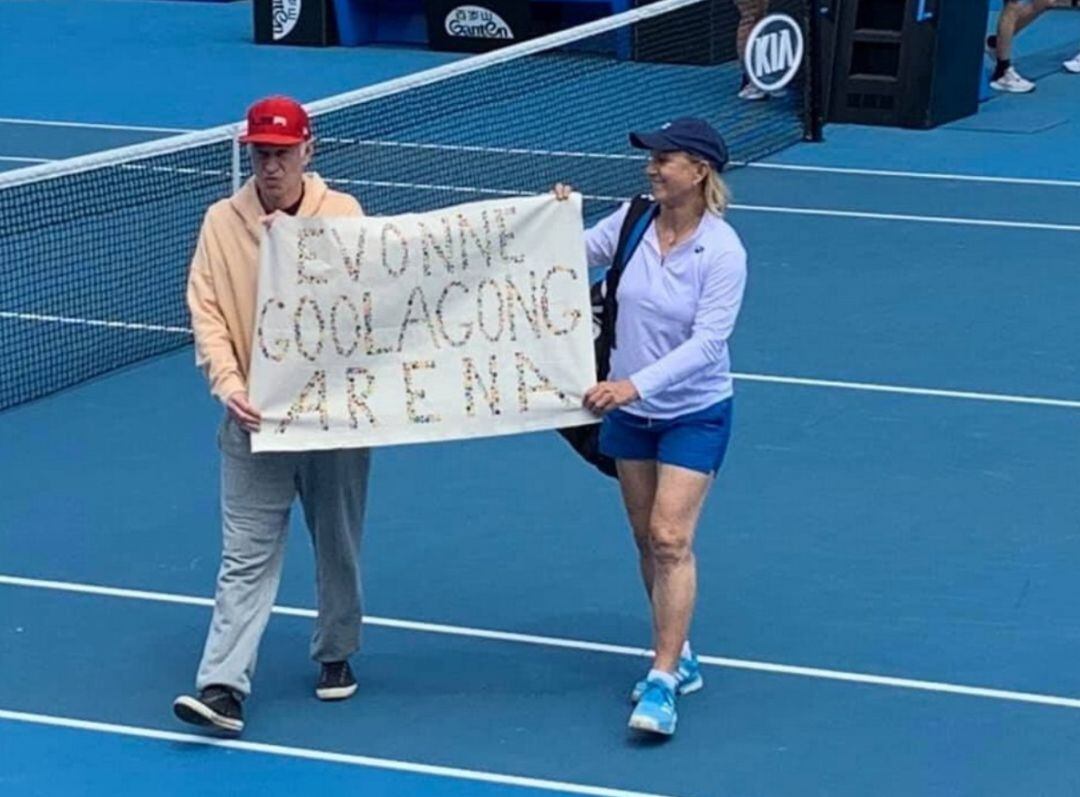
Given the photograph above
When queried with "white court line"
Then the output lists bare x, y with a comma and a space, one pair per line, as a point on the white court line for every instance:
795, 167
460, 189
544, 153
573, 644
92, 322
93, 125
1003, 398
139, 167
796, 211
322, 755
956, 220
142, 167
849, 214
464, 189
974, 178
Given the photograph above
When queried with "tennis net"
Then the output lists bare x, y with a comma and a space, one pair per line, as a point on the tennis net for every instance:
96, 248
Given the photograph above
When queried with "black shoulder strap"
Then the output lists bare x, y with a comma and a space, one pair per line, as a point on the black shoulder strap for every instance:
638, 218
632, 231
585, 440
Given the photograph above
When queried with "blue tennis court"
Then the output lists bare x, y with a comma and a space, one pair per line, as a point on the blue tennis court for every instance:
888, 560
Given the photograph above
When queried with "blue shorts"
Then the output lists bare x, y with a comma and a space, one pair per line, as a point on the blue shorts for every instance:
696, 440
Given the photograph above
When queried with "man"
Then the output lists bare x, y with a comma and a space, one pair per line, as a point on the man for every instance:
1014, 17
257, 490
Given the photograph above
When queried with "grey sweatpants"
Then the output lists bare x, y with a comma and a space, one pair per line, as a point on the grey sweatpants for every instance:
257, 491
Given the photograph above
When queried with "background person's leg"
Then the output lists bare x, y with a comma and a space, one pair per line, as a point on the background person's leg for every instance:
1031, 12
1014, 17
750, 13
1007, 23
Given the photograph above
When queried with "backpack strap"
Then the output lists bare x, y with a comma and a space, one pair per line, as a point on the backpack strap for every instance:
638, 218
585, 440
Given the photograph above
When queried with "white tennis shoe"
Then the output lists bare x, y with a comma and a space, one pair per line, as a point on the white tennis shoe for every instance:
752, 93
1012, 83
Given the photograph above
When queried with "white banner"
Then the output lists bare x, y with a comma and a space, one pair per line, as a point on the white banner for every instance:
469, 321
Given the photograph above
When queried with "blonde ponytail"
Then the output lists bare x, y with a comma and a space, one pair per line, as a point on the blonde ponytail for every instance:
717, 194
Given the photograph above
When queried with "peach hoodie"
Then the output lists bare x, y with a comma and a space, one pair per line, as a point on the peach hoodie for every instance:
223, 281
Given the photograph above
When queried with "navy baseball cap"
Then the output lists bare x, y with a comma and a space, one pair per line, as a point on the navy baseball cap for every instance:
686, 134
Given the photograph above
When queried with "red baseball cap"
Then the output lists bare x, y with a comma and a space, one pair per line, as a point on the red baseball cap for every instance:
277, 120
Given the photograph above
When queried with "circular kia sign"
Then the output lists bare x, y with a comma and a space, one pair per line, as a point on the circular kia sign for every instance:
774, 52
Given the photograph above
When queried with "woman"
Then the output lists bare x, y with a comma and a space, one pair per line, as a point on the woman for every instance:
667, 400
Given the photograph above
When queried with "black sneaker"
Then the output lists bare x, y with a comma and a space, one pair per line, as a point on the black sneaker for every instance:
216, 706
336, 681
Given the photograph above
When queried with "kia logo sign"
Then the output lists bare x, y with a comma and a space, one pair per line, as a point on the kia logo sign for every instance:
774, 52
285, 15
477, 22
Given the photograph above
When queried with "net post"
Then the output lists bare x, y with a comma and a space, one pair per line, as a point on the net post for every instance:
235, 161
815, 72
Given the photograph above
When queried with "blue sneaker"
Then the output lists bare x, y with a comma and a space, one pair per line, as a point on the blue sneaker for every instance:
688, 675
655, 712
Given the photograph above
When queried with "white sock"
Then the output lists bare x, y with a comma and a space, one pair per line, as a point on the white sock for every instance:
666, 678
686, 652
